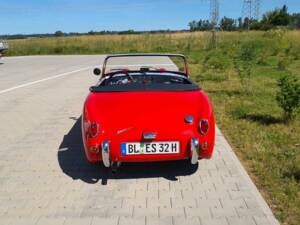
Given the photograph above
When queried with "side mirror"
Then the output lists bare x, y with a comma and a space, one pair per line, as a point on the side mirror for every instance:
97, 71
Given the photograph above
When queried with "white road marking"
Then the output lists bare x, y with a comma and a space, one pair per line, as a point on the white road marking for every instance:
43, 80
71, 72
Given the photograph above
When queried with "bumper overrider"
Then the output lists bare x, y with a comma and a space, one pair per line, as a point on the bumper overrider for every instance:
105, 146
194, 152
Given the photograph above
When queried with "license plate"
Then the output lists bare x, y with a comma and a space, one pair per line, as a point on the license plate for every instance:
148, 148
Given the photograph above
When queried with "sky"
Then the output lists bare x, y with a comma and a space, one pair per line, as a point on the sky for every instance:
48, 16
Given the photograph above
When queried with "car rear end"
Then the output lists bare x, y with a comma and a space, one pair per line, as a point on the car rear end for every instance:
148, 126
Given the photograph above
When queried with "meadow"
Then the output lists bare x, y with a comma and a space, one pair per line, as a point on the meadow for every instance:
241, 77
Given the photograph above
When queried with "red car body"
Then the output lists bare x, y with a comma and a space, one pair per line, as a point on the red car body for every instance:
113, 117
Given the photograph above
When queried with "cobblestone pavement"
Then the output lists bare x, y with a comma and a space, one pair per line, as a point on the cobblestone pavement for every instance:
45, 179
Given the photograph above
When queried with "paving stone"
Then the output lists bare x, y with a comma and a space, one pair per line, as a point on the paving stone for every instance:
147, 194
104, 221
224, 212
143, 211
205, 203
150, 220
166, 211
21, 221
198, 194
185, 202
261, 220
51, 221
245, 212
241, 221
237, 203
169, 194
198, 212
132, 221
136, 202
214, 221
101, 212
119, 211
78, 221
5, 220
186, 221
159, 202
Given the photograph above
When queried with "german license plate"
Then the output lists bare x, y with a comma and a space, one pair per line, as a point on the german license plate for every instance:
139, 148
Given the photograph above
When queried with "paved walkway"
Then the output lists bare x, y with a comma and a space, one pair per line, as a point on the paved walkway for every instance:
45, 179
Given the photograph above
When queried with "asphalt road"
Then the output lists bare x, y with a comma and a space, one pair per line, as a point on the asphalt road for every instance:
45, 179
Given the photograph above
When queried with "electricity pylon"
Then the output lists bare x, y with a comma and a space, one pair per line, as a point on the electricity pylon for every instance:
251, 10
214, 18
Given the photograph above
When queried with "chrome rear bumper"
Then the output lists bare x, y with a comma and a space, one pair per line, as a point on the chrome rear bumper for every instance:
105, 150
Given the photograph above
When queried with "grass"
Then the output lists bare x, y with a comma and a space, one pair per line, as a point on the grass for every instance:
247, 112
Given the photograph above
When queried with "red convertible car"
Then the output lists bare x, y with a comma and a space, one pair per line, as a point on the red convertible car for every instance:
145, 108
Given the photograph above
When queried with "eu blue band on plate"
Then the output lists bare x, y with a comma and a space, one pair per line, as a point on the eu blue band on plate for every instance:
123, 149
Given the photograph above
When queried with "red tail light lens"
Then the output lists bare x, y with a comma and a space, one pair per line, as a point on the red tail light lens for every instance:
93, 129
204, 126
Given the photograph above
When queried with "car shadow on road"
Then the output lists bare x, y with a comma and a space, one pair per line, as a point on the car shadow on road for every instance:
72, 160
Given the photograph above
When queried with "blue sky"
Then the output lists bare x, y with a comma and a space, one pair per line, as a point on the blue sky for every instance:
48, 16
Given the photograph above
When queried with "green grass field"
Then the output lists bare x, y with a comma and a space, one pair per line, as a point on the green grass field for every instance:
246, 110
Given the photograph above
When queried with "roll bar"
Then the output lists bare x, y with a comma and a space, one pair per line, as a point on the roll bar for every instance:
186, 70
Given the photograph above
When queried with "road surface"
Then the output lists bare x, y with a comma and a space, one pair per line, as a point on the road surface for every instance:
45, 179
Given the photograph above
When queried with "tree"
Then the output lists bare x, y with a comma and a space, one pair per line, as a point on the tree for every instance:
205, 25
240, 23
59, 33
288, 96
277, 17
193, 25
243, 64
270, 20
296, 21
201, 25
91, 32
228, 24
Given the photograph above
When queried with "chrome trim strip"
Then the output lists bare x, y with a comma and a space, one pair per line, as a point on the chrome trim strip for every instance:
105, 153
194, 150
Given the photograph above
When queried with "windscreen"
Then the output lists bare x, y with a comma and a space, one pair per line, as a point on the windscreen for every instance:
150, 63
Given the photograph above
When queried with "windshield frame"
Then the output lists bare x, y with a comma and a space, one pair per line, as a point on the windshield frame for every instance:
185, 73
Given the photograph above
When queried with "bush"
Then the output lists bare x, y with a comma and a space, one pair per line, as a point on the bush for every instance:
275, 34
215, 66
217, 61
288, 96
243, 64
283, 62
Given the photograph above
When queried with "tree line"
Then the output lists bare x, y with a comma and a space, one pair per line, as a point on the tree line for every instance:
60, 33
279, 17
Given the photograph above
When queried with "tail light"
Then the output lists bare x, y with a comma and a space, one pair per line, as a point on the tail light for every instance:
93, 129
204, 126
